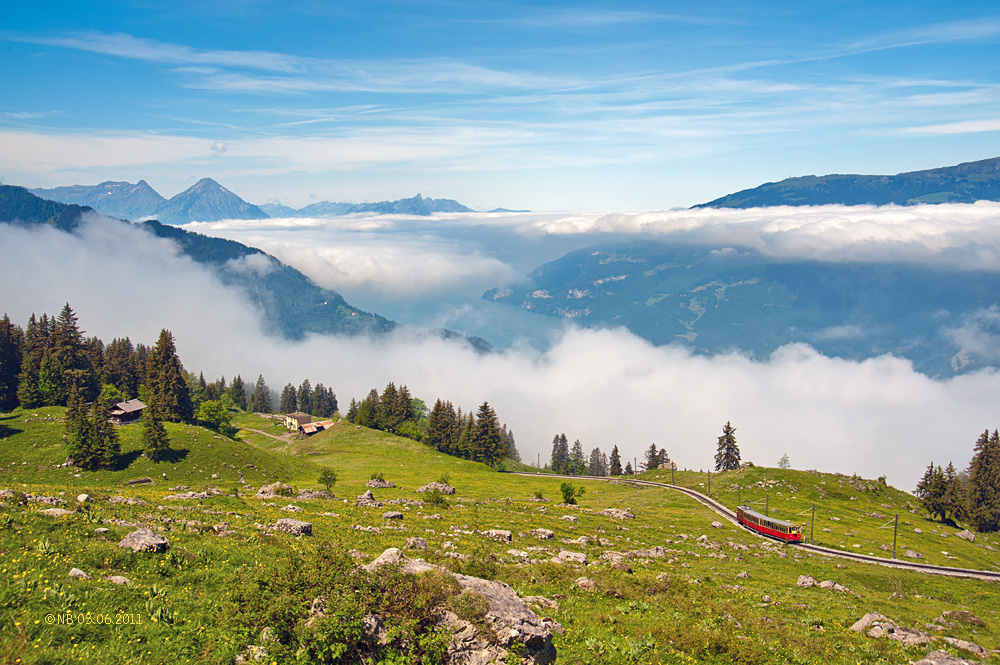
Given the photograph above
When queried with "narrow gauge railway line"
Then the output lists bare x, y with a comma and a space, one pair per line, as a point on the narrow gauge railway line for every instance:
925, 568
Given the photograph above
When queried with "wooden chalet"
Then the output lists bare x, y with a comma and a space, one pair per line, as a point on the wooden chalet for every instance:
294, 421
127, 412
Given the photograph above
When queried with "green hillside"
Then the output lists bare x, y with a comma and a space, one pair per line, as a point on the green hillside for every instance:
726, 598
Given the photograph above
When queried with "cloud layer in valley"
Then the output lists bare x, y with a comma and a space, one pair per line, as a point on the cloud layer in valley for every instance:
604, 387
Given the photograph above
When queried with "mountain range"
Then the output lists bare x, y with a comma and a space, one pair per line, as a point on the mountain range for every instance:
289, 303
714, 300
208, 201
965, 183
418, 205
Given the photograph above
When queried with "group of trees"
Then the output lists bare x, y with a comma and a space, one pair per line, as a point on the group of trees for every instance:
319, 401
395, 411
573, 461
971, 496
475, 436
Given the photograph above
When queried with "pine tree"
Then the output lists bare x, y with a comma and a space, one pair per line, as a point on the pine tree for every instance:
511, 445
597, 466
488, 445
577, 459
369, 410
651, 458
464, 445
954, 494
154, 434
238, 392
628, 469
80, 446
304, 397
441, 427
35, 345
260, 398
615, 467
352, 411
287, 404
106, 437
11, 344
560, 461
727, 457
119, 366
931, 492
984, 483
166, 383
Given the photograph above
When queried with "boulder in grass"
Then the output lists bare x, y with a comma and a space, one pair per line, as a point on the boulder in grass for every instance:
441, 487
119, 579
392, 515
274, 490
76, 573
618, 514
294, 527
144, 540
56, 512
967, 535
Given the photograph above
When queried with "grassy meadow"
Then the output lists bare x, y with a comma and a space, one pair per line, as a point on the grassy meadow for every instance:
730, 598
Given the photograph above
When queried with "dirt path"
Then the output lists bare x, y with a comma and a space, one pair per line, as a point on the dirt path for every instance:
286, 438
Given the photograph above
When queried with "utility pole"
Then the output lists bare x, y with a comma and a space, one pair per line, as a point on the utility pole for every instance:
739, 496
672, 467
895, 528
709, 483
538, 464
812, 525
635, 467
767, 503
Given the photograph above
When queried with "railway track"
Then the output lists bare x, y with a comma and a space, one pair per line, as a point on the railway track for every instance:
728, 514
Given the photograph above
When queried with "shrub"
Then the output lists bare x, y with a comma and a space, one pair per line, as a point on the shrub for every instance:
377, 475
437, 499
445, 479
570, 493
328, 479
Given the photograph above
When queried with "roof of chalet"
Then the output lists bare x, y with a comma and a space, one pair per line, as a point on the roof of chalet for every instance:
130, 406
298, 415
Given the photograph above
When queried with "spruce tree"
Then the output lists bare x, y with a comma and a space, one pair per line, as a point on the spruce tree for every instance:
11, 343
304, 397
35, 344
727, 456
560, 461
352, 411
488, 445
81, 446
166, 383
511, 445
119, 366
106, 438
287, 403
984, 483
597, 465
931, 491
615, 466
577, 459
466, 438
628, 469
238, 392
260, 398
651, 458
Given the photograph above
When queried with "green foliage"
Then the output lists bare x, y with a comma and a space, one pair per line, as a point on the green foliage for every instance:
377, 475
437, 499
328, 479
214, 414
154, 435
727, 456
785, 463
570, 493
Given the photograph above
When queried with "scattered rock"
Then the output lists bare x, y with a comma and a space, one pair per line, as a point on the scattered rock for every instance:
441, 487
743, 575
913, 555
542, 534
569, 518
500, 535
275, 489
806, 581
139, 481
294, 527
943, 658
618, 514
130, 500
917, 529
509, 617
368, 500
716, 525
79, 574
392, 515
83, 498
967, 535
968, 646
119, 579
380, 484
416, 543
315, 494
565, 556
101, 530
658, 552
962, 616
144, 540
290, 508
586, 584
56, 512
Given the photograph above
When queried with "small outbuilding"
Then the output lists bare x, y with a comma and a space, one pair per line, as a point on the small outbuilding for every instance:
127, 412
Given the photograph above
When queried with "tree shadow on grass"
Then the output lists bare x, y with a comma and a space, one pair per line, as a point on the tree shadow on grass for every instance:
7, 430
125, 460
170, 455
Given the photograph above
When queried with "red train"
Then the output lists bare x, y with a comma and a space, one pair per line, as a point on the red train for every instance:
785, 531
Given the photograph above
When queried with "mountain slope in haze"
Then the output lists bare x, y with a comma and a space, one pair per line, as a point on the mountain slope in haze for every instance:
19, 206
965, 183
206, 201
290, 304
418, 205
114, 199
715, 301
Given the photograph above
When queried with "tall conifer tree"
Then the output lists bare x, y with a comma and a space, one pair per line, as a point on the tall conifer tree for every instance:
727, 456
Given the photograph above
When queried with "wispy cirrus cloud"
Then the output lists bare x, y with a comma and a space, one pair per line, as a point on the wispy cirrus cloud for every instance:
963, 127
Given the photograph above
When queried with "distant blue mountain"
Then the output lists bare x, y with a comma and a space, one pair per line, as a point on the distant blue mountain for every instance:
205, 201
417, 205
965, 183
714, 301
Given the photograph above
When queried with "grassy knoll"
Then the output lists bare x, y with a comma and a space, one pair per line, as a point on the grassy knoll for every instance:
212, 594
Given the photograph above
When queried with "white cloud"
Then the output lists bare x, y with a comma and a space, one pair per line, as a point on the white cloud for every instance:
605, 387
259, 264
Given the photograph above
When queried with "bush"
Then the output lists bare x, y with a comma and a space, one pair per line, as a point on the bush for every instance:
437, 499
328, 479
377, 475
570, 493
445, 479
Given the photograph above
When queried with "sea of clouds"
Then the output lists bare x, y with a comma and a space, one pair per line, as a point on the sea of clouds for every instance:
605, 387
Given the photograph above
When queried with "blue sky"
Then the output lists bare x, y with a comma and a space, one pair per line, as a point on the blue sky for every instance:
583, 106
